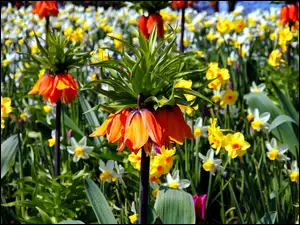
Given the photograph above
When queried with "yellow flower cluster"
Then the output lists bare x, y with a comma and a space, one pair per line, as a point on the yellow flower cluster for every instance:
74, 36
218, 75
6, 109
160, 164
188, 85
234, 144
275, 58
285, 36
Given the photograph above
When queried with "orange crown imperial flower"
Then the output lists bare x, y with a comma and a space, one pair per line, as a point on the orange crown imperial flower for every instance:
46, 8
61, 87
146, 24
289, 14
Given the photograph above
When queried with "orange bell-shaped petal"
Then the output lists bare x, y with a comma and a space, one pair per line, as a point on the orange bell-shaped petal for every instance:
100, 131
284, 15
142, 24
173, 125
177, 4
155, 18
36, 87
153, 128
46, 8
294, 12
136, 134
117, 128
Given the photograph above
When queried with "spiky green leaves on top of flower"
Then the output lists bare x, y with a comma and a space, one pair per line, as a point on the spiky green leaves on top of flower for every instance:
58, 54
151, 6
151, 71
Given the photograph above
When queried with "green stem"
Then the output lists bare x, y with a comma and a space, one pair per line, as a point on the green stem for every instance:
57, 138
21, 173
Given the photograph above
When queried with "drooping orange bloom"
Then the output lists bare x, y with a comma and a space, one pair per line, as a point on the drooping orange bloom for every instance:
46, 8
177, 4
146, 24
114, 128
156, 18
142, 23
136, 129
294, 12
289, 14
140, 126
61, 87
174, 128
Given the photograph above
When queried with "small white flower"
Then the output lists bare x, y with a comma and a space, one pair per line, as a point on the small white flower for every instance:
276, 152
79, 149
199, 129
108, 173
174, 181
259, 88
293, 172
209, 163
260, 121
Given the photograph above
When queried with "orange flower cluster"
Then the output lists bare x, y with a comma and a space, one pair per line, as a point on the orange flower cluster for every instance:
180, 4
140, 128
289, 14
46, 8
61, 87
146, 24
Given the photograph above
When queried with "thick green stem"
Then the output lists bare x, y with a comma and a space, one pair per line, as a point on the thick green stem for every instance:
144, 185
182, 29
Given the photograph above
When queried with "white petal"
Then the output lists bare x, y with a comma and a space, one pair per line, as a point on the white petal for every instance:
204, 131
184, 183
76, 158
74, 142
199, 122
265, 117
176, 175
273, 143
88, 149
110, 165
283, 148
102, 166
210, 154
269, 146
82, 142
169, 178
261, 86
70, 150
85, 156
202, 156
256, 114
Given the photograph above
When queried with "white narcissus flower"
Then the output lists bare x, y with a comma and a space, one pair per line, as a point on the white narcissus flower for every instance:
259, 88
276, 152
79, 149
174, 181
293, 172
108, 173
199, 129
260, 121
209, 163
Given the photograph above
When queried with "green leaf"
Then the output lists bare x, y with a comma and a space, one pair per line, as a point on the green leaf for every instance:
175, 207
268, 218
191, 92
71, 222
9, 149
280, 120
45, 217
93, 122
99, 203
286, 104
283, 132
69, 123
